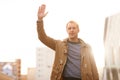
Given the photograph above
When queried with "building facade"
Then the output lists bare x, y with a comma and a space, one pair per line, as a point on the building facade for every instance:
12, 70
112, 48
31, 74
24, 77
44, 62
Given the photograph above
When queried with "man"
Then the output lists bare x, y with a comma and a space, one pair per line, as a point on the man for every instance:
73, 58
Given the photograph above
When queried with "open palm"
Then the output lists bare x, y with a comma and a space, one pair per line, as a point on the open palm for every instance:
41, 12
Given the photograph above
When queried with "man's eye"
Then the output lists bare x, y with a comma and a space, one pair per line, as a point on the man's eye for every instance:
69, 28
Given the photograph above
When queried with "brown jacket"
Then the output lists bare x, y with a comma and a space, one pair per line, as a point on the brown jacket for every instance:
88, 66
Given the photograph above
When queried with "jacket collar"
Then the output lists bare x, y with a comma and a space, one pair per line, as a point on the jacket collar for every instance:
82, 43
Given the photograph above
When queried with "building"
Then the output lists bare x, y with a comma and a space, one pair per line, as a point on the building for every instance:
5, 77
44, 62
112, 48
24, 77
31, 74
10, 70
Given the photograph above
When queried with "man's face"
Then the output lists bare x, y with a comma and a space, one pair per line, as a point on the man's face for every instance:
72, 30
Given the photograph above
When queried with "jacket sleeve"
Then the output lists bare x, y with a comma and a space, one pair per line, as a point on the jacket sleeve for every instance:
48, 41
93, 66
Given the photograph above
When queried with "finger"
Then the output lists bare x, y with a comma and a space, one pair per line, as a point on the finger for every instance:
41, 9
45, 14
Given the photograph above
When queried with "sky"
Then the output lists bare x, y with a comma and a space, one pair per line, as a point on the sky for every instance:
18, 35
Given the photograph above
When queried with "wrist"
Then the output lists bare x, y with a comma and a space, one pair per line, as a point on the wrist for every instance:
39, 20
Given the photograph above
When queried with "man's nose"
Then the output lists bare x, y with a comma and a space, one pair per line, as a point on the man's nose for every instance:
71, 29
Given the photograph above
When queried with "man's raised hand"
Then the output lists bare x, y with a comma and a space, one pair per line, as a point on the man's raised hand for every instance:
41, 12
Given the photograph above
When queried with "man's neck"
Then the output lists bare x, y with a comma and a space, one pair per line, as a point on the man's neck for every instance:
74, 40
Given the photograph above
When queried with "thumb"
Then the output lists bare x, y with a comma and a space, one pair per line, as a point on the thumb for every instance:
45, 14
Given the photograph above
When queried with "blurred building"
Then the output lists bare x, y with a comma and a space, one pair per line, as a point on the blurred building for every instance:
112, 48
10, 70
44, 62
5, 77
24, 77
31, 74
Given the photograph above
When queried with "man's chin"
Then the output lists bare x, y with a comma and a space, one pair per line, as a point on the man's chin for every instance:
71, 37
